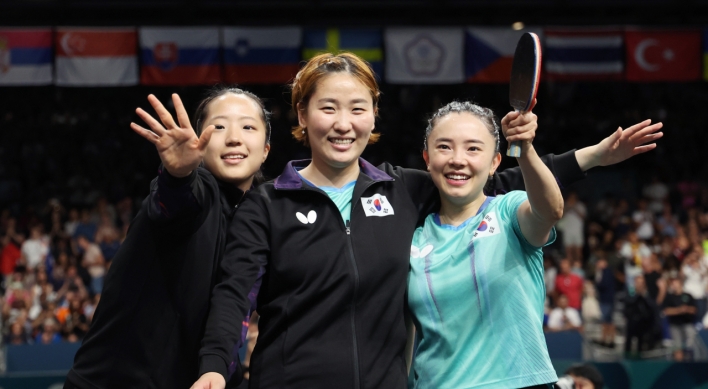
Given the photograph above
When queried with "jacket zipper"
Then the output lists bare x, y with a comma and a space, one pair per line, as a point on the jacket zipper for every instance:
347, 225
357, 385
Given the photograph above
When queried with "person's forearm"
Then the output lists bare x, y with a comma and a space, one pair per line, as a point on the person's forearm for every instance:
588, 157
543, 192
672, 311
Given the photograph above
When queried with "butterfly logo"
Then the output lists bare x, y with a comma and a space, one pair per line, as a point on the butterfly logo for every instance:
421, 253
309, 219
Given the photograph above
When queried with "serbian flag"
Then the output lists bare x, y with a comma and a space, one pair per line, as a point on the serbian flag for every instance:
663, 55
261, 55
489, 53
364, 42
96, 56
25, 56
584, 54
180, 56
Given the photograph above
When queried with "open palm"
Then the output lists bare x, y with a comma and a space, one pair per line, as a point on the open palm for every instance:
180, 150
624, 144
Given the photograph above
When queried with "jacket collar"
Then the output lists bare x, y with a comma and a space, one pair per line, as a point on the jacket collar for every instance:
230, 192
290, 179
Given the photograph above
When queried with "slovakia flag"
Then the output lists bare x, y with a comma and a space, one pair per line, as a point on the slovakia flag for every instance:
180, 56
26, 56
261, 55
663, 55
489, 53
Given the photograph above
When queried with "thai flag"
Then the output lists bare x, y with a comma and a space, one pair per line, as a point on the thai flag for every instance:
180, 56
572, 54
26, 56
261, 55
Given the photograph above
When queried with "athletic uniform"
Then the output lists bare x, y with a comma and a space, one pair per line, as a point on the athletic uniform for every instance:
146, 331
476, 292
332, 294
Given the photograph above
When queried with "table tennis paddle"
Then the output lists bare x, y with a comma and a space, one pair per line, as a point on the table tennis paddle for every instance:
525, 76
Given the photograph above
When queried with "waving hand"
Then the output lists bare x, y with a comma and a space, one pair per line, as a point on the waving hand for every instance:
181, 151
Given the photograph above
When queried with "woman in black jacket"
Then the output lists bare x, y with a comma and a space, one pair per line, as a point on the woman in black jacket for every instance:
147, 328
329, 241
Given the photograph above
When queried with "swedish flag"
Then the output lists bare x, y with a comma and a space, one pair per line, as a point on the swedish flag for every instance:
364, 42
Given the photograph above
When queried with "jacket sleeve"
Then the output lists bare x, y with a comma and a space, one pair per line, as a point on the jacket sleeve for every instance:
176, 203
564, 167
420, 187
242, 268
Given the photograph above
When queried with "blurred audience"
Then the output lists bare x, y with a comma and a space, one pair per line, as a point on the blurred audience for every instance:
569, 284
564, 317
642, 320
680, 309
52, 281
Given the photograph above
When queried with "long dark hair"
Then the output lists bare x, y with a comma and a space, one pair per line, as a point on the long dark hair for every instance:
218, 91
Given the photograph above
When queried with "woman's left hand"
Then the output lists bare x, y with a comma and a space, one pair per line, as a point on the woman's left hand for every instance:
621, 145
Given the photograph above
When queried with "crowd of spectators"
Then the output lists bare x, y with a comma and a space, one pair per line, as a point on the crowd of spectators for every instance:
643, 267
53, 262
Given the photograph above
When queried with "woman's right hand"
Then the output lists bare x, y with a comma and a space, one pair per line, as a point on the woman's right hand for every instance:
181, 151
210, 381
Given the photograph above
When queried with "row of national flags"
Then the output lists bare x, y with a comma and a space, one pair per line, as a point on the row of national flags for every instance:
123, 56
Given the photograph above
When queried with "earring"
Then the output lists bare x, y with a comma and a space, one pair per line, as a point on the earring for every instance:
303, 131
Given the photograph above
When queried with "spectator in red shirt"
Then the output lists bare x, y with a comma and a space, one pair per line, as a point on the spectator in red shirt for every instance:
569, 284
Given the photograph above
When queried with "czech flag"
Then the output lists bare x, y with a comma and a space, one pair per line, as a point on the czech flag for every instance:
26, 56
489, 53
180, 56
364, 42
261, 55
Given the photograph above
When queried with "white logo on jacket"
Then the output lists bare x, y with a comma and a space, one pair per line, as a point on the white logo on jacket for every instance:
487, 227
376, 205
421, 253
309, 219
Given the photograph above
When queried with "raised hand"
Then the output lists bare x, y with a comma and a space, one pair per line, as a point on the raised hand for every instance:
518, 126
621, 145
181, 151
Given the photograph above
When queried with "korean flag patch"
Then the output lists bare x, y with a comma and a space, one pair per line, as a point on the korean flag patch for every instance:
376, 205
487, 227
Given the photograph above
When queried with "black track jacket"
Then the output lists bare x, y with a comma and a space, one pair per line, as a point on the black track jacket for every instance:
148, 326
332, 295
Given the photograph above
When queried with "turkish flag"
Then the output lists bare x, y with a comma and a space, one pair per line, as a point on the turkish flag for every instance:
663, 55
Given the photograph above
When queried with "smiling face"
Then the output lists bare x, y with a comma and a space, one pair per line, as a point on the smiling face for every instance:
460, 157
339, 119
238, 144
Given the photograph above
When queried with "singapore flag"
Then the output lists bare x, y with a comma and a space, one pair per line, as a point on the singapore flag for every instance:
661, 55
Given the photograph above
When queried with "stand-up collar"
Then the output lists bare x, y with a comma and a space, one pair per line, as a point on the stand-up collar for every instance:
231, 192
290, 179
